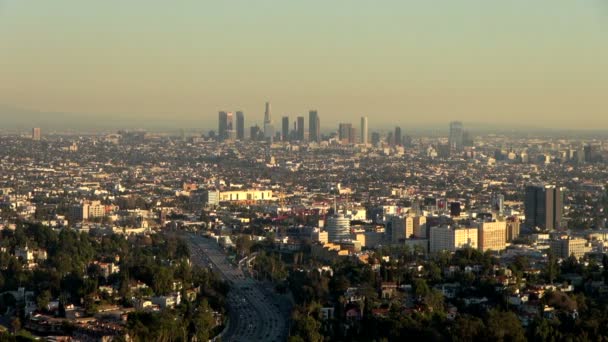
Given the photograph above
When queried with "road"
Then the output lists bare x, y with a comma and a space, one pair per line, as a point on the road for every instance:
256, 312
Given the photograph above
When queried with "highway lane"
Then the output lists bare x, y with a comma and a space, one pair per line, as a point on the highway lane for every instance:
256, 314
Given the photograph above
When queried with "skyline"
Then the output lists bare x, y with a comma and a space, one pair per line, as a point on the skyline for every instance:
544, 63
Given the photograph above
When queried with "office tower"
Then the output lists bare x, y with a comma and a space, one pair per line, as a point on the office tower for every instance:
416, 225
36, 134
456, 137
375, 138
513, 227
255, 133
285, 128
364, 133
268, 127
397, 136
267, 114
344, 132
300, 128
226, 126
338, 227
314, 126
353, 137
240, 125
446, 238
398, 229
492, 236
543, 207
230, 128
222, 126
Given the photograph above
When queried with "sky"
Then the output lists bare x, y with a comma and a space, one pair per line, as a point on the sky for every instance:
540, 63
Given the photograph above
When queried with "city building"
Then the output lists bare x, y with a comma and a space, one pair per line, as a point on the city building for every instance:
543, 207
344, 131
397, 136
36, 134
417, 225
456, 138
226, 126
568, 246
364, 131
338, 227
314, 126
375, 138
492, 236
448, 238
398, 229
240, 126
512, 229
268, 127
300, 129
285, 128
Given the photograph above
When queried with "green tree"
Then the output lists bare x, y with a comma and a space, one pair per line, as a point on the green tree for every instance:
504, 326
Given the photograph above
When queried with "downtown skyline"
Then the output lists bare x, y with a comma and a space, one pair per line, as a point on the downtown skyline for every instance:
512, 64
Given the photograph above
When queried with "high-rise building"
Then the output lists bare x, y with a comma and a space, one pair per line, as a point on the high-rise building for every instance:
268, 127
492, 236
300, 128
36, 134
226, 126
364, 132
240, 125
344, 130
375, 138
397, 136
398, 229
285, 128
267, 114
314, 126
416, 225
513, 228
353, 137
456, 137
255, 133
338, 227
544, 206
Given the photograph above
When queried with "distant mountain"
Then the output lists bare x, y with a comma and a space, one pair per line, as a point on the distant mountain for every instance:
23, 119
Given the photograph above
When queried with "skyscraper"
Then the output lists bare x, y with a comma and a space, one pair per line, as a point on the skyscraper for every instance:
36, 135
240, 125
456, 137
544, 206
268, 127
285, 128
222, 126
300, 128
314, 129
267, 115
344, 130
338, 227
397, 136
364, 133
375, 138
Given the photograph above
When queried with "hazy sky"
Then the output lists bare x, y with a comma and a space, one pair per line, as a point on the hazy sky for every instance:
403, 61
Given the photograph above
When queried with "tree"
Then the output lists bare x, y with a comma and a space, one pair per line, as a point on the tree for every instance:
467, 328
43, 299
504, 326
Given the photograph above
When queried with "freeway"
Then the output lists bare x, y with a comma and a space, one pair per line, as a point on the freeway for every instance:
256, 313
